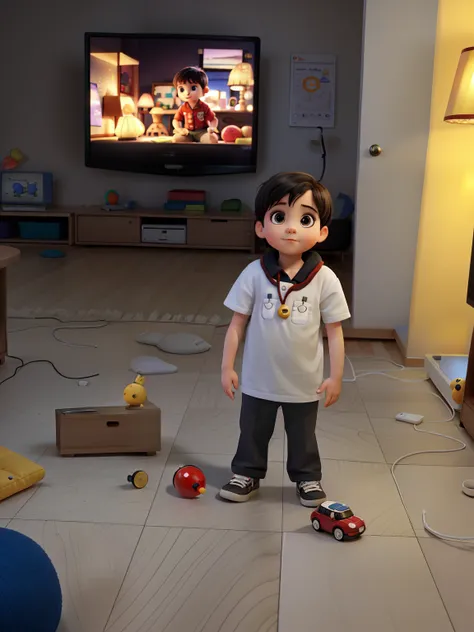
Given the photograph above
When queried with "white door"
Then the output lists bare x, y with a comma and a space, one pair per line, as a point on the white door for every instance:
397, 72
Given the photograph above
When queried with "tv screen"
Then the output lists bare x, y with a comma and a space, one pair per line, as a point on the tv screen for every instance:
171, 104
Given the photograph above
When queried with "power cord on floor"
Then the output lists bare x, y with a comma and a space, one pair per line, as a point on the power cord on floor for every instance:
462, 445
24, 364
101, 325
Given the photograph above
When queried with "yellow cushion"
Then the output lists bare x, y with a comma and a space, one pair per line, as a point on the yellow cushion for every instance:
17, 473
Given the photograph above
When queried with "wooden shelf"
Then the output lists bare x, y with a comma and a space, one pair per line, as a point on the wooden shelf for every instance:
60, 214
212, 230
93, 226
159, 212
51, 213
64, 242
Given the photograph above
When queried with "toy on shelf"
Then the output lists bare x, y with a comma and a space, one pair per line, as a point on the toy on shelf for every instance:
233, 205
138, 479
135, 393
186, 200
338, 519
458, 387
239, 136
189, 481
112, 198
14, 158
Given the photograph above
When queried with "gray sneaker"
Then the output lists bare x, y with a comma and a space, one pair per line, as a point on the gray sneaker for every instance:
310, 493
240, 488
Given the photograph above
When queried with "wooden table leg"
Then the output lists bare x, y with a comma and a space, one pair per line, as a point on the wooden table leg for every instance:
3, 314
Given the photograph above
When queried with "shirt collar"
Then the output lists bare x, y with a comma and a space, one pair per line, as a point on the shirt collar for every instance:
310, 258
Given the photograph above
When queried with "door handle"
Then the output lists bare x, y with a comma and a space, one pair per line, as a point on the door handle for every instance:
375, 150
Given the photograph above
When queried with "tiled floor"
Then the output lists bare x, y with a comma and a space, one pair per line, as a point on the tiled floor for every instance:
147, 561
38, 286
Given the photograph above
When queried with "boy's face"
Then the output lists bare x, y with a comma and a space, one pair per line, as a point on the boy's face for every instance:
295, 229
190, 92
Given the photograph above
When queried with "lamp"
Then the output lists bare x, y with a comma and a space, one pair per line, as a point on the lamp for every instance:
460, 107
240, 79
128, 126
145, 103
157, 128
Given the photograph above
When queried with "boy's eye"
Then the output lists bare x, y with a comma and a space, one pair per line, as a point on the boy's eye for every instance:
278, 217
181, 89
307, 221
193, 88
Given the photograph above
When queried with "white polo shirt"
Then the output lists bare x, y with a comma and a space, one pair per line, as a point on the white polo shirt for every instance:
283, 358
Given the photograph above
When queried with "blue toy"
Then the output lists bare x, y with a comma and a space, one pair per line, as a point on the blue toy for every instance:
30, 593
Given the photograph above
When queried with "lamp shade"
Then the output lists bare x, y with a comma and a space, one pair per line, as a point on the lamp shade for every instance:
129, 127
241, 76
461, 101
112, 106
146, 101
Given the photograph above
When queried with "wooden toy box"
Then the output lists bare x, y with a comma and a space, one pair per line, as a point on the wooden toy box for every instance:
108, 430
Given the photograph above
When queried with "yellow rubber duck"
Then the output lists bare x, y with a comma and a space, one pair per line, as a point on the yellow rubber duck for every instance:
135, 393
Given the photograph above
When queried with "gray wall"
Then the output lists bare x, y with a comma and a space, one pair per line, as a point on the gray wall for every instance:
42, 84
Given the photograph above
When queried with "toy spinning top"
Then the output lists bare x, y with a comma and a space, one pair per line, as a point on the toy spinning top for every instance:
138, 479
135, 393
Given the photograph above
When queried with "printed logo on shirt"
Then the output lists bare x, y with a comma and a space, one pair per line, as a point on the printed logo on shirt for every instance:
200, 116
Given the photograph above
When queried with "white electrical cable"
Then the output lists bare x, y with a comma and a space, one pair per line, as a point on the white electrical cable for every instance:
385, 373
462, 446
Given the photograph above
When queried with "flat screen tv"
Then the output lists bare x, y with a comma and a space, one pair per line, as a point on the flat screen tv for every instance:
184, 105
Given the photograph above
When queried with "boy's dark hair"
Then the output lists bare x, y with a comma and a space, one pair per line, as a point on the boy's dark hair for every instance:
191, 74
294, 184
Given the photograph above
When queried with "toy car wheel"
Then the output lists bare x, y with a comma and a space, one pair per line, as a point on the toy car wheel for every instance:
338, 534
316, 524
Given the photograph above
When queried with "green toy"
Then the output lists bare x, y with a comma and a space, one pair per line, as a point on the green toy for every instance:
233, 205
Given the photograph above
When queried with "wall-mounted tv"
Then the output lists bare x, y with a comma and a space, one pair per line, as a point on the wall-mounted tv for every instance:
171, 104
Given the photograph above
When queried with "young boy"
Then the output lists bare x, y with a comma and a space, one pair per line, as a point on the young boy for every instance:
194, 121
283, 298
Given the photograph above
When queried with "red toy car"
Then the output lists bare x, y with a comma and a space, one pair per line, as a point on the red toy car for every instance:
337, 519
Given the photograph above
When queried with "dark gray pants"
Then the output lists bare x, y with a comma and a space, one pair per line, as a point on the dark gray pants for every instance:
257, 423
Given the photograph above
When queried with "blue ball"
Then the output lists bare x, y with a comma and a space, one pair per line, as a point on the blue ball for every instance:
30, 593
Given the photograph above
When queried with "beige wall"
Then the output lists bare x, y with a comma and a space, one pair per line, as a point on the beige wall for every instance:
41, 105
440, 320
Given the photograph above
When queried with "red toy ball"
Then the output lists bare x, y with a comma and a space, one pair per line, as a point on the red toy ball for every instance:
231, 133
189, 481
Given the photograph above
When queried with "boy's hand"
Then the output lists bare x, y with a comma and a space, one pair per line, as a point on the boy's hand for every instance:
332, 388
229, 379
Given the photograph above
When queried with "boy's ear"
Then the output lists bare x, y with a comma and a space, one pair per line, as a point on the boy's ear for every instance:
323, 234
205, 90
259, 230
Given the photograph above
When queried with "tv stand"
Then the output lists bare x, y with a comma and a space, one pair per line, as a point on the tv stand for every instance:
210, 230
